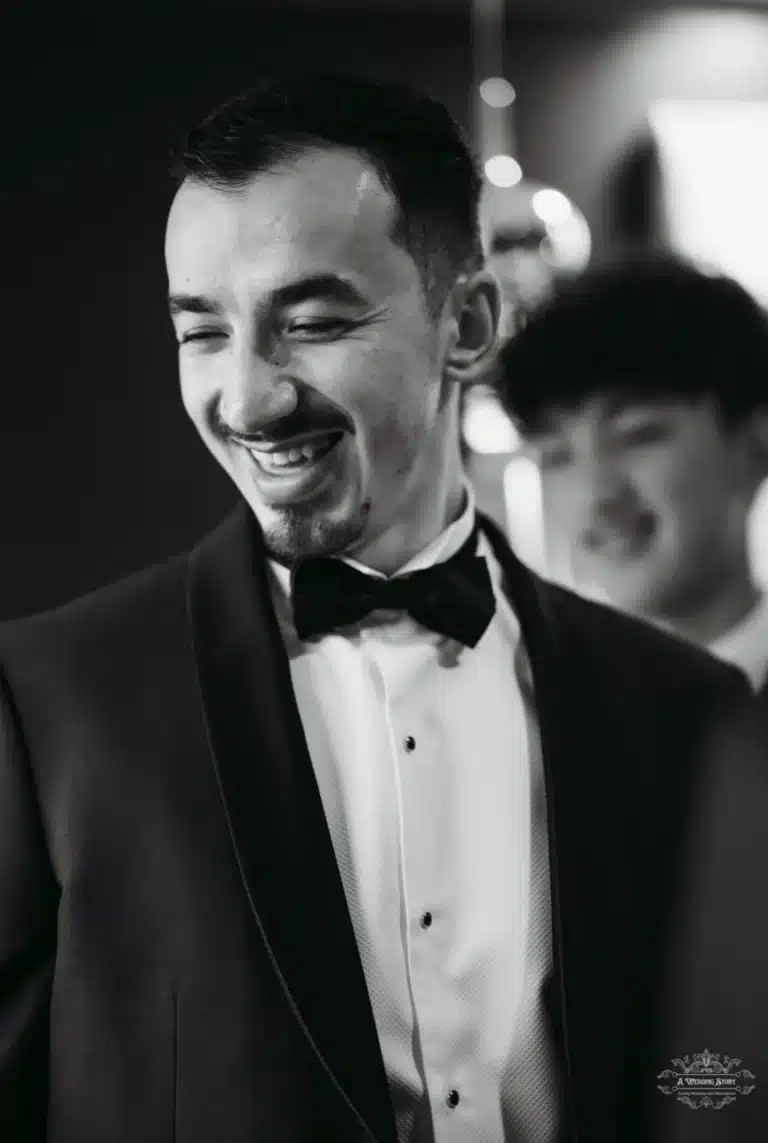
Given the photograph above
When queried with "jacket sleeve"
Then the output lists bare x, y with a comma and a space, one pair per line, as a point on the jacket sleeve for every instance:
28, 906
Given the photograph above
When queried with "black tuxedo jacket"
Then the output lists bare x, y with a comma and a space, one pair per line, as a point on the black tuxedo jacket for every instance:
718, 980
177, 961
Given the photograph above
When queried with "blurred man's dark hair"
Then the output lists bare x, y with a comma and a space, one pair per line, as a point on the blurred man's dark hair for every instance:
411, 141
650, 327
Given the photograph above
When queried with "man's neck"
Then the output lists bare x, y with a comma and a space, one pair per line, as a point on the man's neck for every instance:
410, 535
720, 615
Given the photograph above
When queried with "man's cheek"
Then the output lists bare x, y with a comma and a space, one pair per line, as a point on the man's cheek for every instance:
564, 500
660, 487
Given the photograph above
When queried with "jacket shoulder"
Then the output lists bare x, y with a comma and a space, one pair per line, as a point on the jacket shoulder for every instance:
125, 604
658, 654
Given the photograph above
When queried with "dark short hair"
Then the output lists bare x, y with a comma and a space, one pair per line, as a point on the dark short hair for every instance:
411, 141
649, 327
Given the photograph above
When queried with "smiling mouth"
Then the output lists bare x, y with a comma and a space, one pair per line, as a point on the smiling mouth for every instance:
628, 541
295, 454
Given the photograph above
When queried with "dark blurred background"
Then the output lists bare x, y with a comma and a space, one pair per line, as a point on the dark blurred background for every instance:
100, 472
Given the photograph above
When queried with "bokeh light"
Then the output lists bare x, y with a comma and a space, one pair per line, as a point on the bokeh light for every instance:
551, 206
503, 171
497, 92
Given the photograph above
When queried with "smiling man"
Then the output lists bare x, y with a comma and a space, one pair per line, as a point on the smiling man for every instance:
306, 362
313, 833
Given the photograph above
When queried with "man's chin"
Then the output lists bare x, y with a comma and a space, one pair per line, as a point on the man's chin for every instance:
629, 587
292, 532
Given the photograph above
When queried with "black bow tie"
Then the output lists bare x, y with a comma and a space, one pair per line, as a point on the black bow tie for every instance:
454, 598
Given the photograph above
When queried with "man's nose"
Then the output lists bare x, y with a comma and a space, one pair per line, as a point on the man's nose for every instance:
255, 394
591, 487
607, 489
604, 478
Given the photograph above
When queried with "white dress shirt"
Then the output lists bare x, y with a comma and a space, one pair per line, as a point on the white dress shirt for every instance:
746, 644
428, 763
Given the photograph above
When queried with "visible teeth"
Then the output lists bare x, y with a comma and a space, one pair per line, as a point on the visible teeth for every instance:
292, 455
279, 459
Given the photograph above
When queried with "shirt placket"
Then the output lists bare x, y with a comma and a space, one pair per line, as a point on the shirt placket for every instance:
414, 698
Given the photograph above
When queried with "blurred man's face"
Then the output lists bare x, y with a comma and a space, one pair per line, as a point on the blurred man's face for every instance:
308, 361
653, 498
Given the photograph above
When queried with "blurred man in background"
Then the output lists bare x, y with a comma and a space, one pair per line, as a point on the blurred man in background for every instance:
644, 387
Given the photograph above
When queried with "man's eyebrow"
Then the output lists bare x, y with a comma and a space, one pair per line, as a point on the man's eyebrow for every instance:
316, 287
627, 405
193, 304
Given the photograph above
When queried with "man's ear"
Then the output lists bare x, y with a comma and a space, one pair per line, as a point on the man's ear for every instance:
475, 310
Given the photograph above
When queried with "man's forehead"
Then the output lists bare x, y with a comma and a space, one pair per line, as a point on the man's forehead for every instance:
320, 198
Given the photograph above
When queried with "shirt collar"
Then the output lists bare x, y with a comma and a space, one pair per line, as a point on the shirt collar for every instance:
746, 644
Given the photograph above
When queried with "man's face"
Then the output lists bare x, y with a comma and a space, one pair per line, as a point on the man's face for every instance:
308, 362
653, 498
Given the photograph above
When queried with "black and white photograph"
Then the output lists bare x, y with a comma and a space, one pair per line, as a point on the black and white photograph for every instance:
384, 572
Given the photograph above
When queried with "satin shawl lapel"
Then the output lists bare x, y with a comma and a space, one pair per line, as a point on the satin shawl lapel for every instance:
591, 917
276, 817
